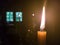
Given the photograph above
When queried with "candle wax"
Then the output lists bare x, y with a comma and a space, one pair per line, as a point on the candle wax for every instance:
41, 37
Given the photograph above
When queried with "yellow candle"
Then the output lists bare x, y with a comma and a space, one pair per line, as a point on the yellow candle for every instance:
41, 37
42, 34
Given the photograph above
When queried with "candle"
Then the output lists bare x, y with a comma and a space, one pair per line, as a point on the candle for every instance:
41, 37
42, 34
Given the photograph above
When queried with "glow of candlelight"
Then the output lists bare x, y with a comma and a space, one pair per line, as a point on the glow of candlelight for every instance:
42, 26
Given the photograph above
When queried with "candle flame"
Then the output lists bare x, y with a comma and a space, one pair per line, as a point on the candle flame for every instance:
42, 26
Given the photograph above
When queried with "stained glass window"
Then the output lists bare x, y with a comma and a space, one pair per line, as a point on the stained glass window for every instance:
18, 16
9, 16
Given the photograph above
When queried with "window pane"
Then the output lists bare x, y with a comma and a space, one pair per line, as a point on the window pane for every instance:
9, 16
19, 16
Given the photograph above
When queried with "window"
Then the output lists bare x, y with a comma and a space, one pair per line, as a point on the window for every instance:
18, 16
9, 16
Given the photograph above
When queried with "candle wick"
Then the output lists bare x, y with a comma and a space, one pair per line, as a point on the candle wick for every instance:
41, 30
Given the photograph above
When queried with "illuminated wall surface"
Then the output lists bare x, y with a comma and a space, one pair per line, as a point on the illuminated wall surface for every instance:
18, 16
9, 16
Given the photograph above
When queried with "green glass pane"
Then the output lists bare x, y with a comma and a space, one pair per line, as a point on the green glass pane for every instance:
19, 16
9, 16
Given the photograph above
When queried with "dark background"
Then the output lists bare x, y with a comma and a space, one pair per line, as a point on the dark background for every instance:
17, 33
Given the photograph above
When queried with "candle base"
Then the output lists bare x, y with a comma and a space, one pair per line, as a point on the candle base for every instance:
41, 37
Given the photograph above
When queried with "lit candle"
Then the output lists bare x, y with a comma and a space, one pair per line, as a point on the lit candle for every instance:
42, 34
42, 37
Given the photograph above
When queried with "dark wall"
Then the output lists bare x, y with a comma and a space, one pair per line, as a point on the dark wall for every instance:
52, 22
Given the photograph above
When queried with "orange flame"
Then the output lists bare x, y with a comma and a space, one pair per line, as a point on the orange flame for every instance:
42, 26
